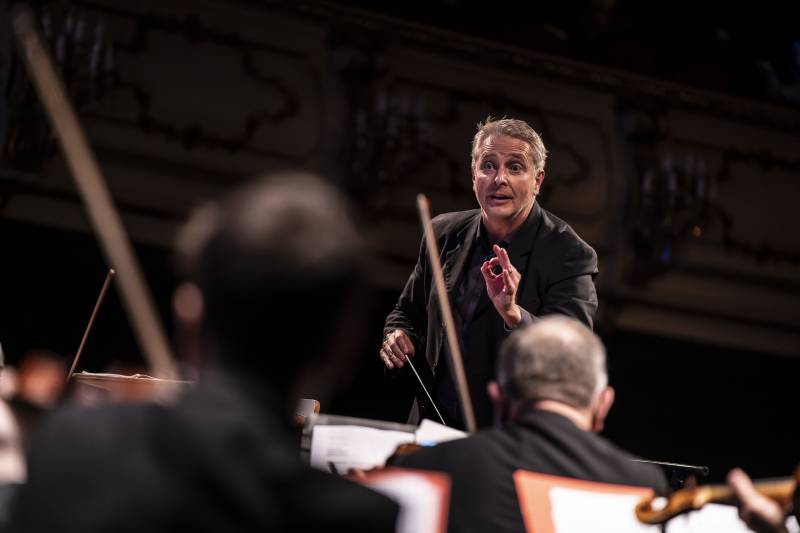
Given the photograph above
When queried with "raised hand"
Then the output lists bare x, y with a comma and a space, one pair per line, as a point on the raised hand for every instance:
502, 281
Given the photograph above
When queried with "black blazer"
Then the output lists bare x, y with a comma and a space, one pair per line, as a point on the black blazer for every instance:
221, 459
557, 268
483, 496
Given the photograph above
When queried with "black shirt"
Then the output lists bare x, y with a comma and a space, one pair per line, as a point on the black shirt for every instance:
470, 294
222, 459
483, 495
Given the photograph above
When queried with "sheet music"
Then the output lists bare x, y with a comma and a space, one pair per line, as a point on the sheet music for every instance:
423, 498
575, 511
579, 511
715, 517
346, 447
430, 432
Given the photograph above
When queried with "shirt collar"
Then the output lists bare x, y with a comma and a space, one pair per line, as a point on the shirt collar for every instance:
523, 233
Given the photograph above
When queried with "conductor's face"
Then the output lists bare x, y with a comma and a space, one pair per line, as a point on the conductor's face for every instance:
505, 180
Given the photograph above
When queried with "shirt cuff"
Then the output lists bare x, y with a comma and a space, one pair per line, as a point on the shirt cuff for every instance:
526, 319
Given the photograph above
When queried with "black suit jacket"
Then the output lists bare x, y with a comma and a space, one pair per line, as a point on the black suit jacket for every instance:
557, 268
483, 496
220, 460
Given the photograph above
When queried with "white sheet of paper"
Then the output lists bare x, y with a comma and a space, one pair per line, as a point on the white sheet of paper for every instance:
712, 518
418, 499
575, 511
354, 447
578, 511
434, 432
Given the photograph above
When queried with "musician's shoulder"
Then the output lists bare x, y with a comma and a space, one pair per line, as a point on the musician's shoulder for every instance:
86, 422
452, 455
624, 464
555, 223
454, 221
559, 234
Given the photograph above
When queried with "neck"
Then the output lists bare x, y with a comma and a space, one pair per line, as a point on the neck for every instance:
580, 417
499, 229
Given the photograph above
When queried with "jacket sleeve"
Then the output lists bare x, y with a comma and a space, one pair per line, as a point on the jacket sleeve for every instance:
569, 289
411, 311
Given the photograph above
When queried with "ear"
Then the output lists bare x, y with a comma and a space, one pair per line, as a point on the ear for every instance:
604, 402
191, 344
539, 179
499, 403
495, 395
188, 304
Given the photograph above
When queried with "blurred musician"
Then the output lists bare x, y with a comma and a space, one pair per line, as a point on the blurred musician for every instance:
38, 386
552, 396
223, 458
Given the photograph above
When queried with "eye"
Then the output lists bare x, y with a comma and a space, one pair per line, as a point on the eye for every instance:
516, 168
488, 165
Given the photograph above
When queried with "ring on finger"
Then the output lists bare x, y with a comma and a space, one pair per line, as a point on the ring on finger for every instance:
392, 357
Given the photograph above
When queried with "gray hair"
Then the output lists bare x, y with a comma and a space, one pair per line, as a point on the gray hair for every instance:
556, 358
510, 127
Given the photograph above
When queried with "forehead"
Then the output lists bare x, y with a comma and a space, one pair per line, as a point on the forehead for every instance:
504, 145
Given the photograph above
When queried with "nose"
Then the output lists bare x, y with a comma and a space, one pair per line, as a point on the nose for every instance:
500, 177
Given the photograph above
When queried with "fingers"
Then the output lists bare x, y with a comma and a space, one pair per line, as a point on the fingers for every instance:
486, 270
405, 344
396, 345
394, 353
509, 283
501, 258
501, 253
357, 474
491, 266
740, 483
756, 510
387, 358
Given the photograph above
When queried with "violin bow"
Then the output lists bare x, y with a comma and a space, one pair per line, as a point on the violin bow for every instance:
96, 197
457, 364
89, 326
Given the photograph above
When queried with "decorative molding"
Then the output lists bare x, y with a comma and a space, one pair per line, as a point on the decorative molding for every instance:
285, 103
780, 117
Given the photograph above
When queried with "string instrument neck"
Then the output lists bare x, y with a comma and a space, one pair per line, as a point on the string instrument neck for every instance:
780, 490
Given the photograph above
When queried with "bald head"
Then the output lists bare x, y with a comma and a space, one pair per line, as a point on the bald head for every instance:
556, 358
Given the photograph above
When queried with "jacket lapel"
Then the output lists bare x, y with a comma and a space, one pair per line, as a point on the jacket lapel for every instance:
454, 259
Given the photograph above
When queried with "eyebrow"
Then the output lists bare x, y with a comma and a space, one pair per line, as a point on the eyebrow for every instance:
517, 159
511, 154
513, 157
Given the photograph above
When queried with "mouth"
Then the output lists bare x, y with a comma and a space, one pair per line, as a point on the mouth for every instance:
499, 197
